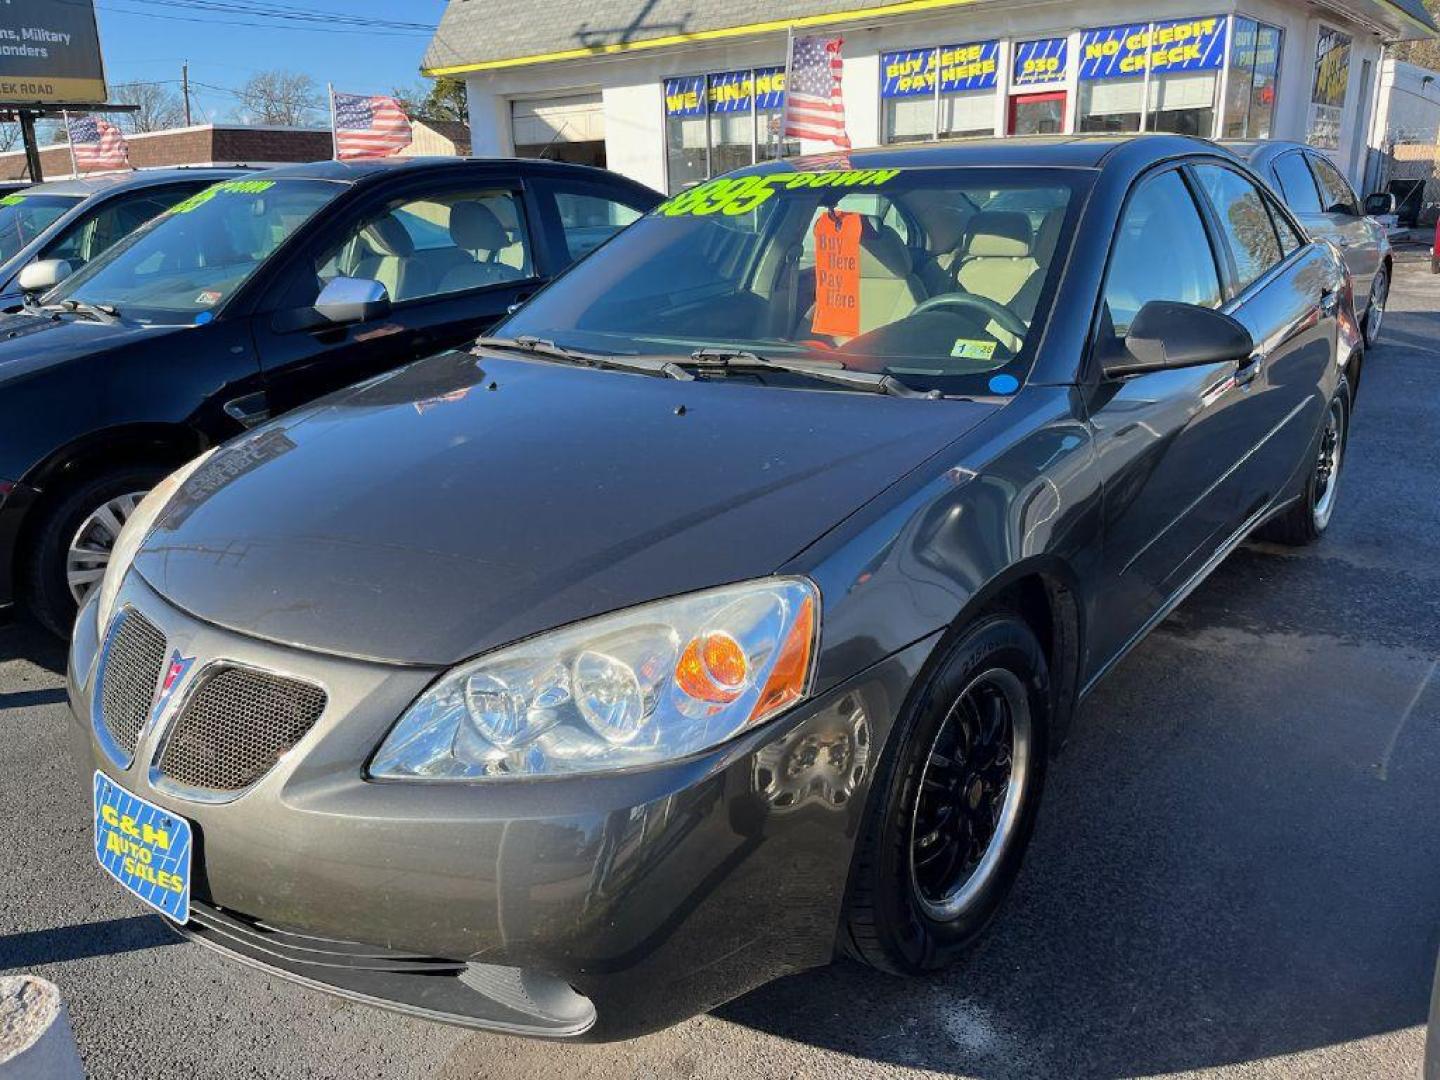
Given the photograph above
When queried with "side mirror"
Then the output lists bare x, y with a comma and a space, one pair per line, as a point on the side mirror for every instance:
1166, 335
1380, 203
43, 275
352, 300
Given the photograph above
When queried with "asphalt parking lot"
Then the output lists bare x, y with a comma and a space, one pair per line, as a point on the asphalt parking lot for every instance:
1236, 870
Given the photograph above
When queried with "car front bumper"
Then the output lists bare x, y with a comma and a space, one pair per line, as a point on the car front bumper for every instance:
599, 907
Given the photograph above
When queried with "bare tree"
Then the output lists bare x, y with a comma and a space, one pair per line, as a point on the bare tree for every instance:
443, 99
9, 137
159, 109
282, 98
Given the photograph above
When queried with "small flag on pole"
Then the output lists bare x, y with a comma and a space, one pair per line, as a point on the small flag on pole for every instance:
96, 144
813, 105
369, 126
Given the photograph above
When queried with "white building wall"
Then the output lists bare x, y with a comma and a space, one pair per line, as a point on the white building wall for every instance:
631, 84
1409, 109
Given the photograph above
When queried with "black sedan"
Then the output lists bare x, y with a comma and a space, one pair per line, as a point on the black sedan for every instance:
724, 609
253, 296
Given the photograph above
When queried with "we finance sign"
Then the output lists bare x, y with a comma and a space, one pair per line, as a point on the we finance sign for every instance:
50, 53
1122, 52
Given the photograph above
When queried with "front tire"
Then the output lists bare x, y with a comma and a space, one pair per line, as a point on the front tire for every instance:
1375, 308
1307, 518
954, 803
72, 545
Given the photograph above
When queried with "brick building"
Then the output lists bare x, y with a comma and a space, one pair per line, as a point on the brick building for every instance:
203, 144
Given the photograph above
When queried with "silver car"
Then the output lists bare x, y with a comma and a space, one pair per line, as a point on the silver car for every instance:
1326, 205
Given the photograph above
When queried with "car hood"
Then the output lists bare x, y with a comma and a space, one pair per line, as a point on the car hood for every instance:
31, 343
469, 501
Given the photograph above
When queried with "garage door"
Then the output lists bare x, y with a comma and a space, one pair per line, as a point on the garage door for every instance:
570, 128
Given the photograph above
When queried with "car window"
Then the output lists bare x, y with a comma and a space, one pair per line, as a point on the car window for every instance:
430, 246
1335, 192
24, 217
872, 269
1296, 183
116, 220
185, 265
1244, 221
589, 220
1290, 239
1160, 217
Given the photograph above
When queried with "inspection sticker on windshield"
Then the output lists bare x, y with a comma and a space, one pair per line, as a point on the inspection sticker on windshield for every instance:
208, 297
144, 847
972, 349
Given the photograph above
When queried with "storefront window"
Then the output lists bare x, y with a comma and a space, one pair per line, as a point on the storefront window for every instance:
1178, 60
1327, 91
959, 102
1254, 71
1112, 78
723, 121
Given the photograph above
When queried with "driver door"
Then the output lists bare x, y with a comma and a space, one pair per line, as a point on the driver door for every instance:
1165, 440
453, 257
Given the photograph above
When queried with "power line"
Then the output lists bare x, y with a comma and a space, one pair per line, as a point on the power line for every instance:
301, 20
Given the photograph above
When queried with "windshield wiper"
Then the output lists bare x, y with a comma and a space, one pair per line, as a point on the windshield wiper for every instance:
104, 313
542, 347
721, 360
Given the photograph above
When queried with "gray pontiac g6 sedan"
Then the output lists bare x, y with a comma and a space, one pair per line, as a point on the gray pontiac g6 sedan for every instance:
723, 611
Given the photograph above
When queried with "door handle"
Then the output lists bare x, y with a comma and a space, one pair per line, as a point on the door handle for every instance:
1249, 369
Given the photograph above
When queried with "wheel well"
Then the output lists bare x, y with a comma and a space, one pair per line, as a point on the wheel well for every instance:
69, 468
1048, 604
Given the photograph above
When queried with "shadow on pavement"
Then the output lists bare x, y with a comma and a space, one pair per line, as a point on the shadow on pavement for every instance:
131, 934
21, 639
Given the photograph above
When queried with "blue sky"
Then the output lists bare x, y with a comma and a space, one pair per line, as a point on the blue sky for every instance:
146, 41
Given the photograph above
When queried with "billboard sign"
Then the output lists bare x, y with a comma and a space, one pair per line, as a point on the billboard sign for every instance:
50, 52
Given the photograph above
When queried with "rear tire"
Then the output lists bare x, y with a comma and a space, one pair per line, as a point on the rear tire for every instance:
49, 588
969, 752
1307, 518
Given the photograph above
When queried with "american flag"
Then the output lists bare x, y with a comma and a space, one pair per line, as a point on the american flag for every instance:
369, 126
96, 144
813, 107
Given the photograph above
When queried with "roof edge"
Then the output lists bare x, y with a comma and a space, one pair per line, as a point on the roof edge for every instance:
904, 7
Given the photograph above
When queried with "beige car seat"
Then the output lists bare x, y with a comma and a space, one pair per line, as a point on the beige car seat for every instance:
475, 229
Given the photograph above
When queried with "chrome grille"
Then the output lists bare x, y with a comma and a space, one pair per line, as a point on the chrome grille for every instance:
132, 668
235, 726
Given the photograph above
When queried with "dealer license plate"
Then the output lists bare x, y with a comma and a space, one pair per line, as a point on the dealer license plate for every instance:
144, 847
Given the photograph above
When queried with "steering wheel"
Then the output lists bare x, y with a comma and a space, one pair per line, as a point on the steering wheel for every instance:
996, 310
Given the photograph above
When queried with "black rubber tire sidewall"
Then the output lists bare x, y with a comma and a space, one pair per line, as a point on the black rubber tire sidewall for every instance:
1295, 526
885, 926
47, 592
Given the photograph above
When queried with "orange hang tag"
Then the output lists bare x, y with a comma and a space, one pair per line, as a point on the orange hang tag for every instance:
837, 274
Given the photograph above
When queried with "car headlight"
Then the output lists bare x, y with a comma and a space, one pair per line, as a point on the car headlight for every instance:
647, 684
127, 544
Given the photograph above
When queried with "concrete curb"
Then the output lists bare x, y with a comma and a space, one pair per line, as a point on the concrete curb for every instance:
36, 1042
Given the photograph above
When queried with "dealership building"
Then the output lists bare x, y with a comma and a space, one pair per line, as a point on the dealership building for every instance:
673, 91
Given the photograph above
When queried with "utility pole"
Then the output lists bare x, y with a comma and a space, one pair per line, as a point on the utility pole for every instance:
185, 88
32, 148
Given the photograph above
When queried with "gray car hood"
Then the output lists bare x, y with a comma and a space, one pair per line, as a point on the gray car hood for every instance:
466, 502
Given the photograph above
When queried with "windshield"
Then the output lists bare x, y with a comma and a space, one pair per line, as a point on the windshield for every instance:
940, 278
24, 217
184, 265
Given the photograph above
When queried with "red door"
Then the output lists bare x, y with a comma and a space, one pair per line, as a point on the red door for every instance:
1037, 114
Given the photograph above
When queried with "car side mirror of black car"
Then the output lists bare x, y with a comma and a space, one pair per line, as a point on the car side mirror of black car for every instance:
1165, 334
42, 275
1380, 203
351, 300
